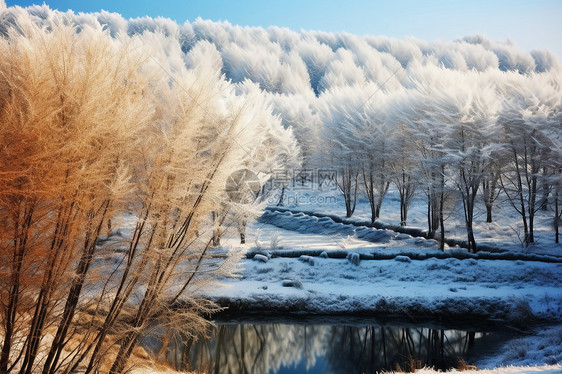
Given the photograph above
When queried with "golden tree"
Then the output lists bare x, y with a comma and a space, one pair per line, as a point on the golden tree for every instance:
95, 128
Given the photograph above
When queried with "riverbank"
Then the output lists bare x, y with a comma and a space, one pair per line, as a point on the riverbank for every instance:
517, 292
300, 273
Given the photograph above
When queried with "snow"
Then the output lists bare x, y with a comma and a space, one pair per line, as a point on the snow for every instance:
544, 369
302, 264
399, 285
504, 232
314, 265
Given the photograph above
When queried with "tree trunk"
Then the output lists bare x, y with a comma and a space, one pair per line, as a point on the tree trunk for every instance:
216, 229
489, 214
403, 210
348, 187
442, 223
442, 208
47, 287
242, 231
556, 218
23, 224
430, 227
532, 206
60, 339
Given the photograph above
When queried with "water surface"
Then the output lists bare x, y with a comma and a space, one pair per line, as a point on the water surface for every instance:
320, 346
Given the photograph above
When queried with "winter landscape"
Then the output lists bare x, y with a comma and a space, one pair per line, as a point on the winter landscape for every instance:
206, 197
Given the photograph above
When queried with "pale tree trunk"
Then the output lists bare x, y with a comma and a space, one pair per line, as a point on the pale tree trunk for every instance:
406, 189
348, 188
490, 192
556, 217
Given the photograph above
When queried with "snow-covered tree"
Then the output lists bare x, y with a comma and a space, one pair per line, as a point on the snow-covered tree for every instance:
299, 113
472, 139
338, 153
430, 117
360, 138
94, 128
529, 115
267, 146
402, 160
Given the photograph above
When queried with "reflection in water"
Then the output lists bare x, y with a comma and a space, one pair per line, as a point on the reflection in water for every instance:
267, 348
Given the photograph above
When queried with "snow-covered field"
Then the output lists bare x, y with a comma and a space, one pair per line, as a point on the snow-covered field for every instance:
505, 232
486, 288
399, 286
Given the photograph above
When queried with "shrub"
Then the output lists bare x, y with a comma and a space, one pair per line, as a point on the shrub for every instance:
354, 258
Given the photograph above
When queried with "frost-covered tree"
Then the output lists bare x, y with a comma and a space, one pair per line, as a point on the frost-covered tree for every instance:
342, 72
95, 128
337, 150
359, 134
402, 160
373, 135
72, 112
491, 188
268, 147
430, 156
470, 111
528, 117
299, 113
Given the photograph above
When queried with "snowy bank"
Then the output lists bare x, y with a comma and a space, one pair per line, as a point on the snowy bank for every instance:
321, 276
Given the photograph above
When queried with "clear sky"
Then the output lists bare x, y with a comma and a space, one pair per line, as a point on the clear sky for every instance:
533, 24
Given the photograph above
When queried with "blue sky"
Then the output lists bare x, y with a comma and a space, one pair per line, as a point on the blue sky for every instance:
530, 24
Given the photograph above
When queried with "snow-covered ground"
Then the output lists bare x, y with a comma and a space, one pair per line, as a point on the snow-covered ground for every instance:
505, 232
544, 369
494, 289
312, 280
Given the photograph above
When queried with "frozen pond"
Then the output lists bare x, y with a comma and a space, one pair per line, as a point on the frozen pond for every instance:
327, 346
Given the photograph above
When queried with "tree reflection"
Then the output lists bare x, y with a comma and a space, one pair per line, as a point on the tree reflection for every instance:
266, 348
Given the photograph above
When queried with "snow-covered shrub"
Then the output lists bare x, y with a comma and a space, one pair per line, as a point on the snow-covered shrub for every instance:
264, 270
296, 283
520, 312
261, 258
257, 242
453, 261
324, 254
354, 258
402, 237
516, 349
437, 265
285, 267
554, 338
274, 242
307, 259
402, 259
